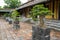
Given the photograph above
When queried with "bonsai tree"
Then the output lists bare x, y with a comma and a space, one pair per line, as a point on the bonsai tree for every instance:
6, 15
41, 11
15, 17
15, 14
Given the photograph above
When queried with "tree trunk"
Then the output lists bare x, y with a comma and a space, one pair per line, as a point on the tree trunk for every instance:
42, 21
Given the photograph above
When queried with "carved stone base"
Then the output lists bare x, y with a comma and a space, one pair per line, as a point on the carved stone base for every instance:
40, 33
10, 22
16, 26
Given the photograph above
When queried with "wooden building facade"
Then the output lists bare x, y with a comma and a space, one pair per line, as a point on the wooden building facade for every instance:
53, 5
26, 7
2, 12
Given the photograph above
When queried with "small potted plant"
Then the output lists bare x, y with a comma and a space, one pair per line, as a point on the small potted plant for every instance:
6, 16
40, 32
10, 19
15, 16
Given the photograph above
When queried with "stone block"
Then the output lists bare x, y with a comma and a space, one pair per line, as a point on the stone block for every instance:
40, 33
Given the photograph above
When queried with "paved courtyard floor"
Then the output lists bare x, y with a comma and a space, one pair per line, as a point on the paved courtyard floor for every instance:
8, 33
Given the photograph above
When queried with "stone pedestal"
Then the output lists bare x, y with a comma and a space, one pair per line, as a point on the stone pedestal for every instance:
10, 22
40, 33
16, 25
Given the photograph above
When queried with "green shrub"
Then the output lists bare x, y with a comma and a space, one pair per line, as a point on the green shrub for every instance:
15, 14
6, 15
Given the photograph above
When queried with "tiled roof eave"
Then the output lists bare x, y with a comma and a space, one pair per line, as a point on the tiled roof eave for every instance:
31, 3
6, 10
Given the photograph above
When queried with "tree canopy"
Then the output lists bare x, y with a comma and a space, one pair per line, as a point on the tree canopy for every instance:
6, 7
40, 10
12, 3
1, 7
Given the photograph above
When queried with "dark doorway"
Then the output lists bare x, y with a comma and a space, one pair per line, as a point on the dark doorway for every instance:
59, 11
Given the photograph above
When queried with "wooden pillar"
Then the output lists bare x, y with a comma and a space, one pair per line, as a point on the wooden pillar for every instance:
23, 12
56, 9
27, 12
50, 6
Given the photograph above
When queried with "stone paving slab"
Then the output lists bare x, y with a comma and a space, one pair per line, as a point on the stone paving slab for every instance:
24, 33
8, 33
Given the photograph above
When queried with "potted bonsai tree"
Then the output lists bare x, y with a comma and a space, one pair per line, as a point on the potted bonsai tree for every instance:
40, 32
6, 16
10, 19
15, 17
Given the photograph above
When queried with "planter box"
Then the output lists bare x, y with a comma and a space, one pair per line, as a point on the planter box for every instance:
10, 21
7, 19
40, 33
15, 22
16, 26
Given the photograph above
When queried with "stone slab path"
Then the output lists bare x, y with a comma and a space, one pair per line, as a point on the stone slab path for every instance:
7, 31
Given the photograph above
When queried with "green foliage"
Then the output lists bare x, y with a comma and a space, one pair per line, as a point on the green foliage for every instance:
1, 7
13, 3
15, 14
40, 10
6, 15
6, 6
